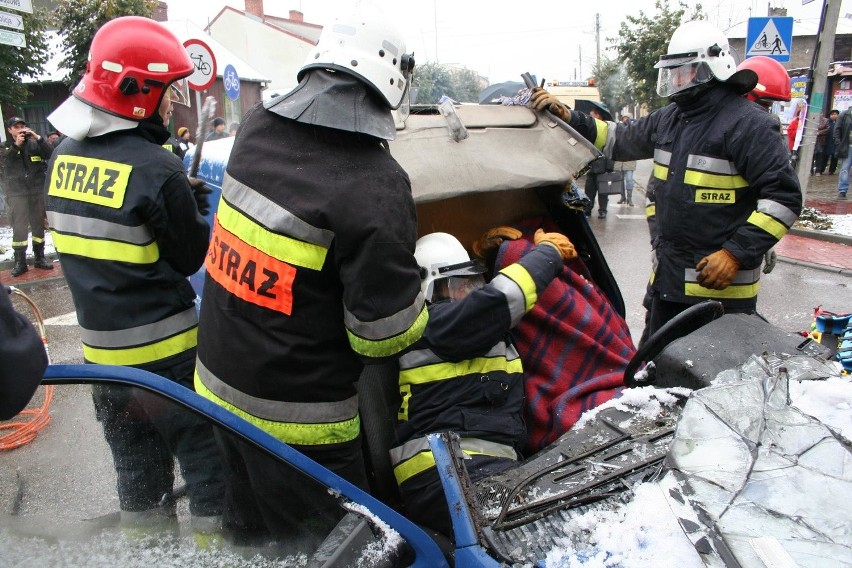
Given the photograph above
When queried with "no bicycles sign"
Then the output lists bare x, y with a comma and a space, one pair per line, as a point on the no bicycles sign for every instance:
205, 64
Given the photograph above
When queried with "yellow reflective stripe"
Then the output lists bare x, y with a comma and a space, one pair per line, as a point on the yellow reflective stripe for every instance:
37, 240
449, 370
282, 247
90, 180
600, 134
523, 279
20, 244
421, 462
768, 223
106, 250
651, 210
291, 432
35, 159
714, 181
144, 354
405, 393
732, 292
392, 345
661, 172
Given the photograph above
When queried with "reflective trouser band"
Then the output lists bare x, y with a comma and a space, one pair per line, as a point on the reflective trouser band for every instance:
296, 433
415, 456
745, 285
37, 241
142, 344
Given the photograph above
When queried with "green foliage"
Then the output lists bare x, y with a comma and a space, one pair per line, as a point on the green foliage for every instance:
614, 85
642, 39
432, 80
78, 21
16, 63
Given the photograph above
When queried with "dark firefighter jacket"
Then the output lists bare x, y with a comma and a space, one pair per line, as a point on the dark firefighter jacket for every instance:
128, 233
465, 374
725, 182
24, 168
310, 272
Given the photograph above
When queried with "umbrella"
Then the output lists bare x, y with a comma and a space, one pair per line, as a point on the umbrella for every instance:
585, 105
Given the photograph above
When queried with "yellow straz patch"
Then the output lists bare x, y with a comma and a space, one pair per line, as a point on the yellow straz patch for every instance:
100, 182
716, 196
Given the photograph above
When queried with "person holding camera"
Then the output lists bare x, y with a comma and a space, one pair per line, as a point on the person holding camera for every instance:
24, 164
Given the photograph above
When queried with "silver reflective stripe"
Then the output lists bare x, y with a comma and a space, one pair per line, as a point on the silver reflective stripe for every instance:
387, 327
279, 410
514, 297
662, 157
271, 215
98, 228
712, 165
742, 277
423, 357
142, 334
775, 209
472, 445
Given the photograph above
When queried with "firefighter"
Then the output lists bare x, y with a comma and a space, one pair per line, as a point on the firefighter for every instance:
727, 192
128, 231
311, 270
465, 374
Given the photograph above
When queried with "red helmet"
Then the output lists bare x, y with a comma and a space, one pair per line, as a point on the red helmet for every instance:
132, 61
773, 82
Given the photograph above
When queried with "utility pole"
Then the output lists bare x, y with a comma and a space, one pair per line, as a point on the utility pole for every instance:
580, 63
815, 89
598, 40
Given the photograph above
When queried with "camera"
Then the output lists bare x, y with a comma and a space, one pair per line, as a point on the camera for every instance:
28, 134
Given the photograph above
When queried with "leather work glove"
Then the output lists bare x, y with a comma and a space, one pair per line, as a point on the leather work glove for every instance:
200, 191
487, 245
542, 100
769, 260
558, 241
716, 271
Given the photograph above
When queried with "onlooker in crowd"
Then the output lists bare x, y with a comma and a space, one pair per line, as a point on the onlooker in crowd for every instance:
23, 165
828, 157
792, 128
218, 131
22, 359
54, 138
820, 145
719, 160
311, 271
232, 130
842, 131
467, 338
626, 119
626, 169
184, 139
127, 245
600, 112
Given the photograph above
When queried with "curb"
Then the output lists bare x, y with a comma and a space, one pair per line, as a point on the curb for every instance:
821, 236
815, 266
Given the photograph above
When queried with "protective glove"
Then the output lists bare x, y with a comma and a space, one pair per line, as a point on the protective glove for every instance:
769, 260
542, 100
716, 271
487, 245
200, 191
558, 241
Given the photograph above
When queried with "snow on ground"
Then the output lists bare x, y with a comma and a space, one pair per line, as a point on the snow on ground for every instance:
6, 252
841, 225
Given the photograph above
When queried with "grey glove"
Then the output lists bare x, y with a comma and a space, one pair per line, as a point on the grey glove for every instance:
769, 260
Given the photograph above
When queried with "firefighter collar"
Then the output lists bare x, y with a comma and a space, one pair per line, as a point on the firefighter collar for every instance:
78, 120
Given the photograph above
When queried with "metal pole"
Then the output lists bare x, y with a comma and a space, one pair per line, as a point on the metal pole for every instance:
598, 40
815, 89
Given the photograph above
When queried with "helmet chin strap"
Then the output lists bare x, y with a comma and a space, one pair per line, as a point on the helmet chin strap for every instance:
336, 100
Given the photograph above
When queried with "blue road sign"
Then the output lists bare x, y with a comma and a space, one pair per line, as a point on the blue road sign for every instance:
232, 82
772, 37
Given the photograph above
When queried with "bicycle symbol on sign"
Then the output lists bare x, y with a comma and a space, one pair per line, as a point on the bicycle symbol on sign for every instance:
231, 82
200, 64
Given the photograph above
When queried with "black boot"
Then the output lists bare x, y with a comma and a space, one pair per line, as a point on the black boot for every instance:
20, 262
39, 260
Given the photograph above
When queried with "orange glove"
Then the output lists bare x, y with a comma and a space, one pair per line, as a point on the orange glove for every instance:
558, 241
542, 100
487, 245
716, 271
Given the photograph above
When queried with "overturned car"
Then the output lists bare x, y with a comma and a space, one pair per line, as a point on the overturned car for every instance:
703, 460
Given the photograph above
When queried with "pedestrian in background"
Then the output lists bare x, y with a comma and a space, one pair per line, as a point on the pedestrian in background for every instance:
820, 145
626, 169
23, 164
828, 157
842, 130
218, 131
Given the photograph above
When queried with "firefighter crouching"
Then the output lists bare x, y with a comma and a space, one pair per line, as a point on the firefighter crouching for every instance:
726, 191
128, 231
310, 271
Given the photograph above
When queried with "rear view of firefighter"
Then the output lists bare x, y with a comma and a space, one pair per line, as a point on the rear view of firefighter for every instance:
127, 227
465, 374
727, 192
311, 270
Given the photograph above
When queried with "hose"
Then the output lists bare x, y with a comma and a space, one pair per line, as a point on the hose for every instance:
23, 432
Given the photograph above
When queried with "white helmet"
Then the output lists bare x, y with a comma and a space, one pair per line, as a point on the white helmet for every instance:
441, 255
699, 52
363, 43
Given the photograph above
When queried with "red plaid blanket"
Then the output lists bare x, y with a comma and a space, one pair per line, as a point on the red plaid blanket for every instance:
574, 346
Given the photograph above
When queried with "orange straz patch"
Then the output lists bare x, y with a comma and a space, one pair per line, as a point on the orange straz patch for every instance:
248, 273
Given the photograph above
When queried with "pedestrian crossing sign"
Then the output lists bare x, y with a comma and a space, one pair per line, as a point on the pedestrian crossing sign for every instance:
772, 37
